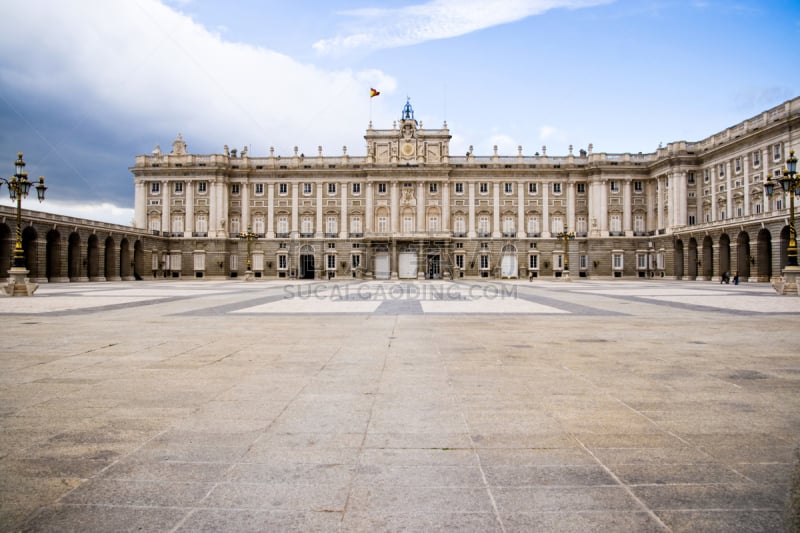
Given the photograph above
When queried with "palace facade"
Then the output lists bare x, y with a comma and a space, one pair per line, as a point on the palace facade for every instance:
409, 209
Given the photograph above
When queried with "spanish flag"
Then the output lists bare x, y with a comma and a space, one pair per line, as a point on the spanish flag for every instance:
373, 92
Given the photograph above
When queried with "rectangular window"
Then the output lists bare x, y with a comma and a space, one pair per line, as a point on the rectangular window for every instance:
307, 225
355, 261
331, 260
459, 227
433, 188
307, 189
638, 224
460, 262
508, 227
459, 188
581, 188
614, 186
331, 226
617, 261
235, 226
408, 224
202, 187
533, 226
179, 187
483, 226
484, 262
283, 188
508, 188
355, 224
692, 220
737, 165
381, 188
484, 188
638, 186
258, 225
776, 152
556, 188
283, 262
331, 188
356, 188
581, 226
691, 178
531, 188
615, 224
235, 188
383, 224
433, 223
557, 224
259, 188
533, 262
757, 158
155, 188
283, 225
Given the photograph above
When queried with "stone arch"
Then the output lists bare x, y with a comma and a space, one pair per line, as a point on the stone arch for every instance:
784, 255
93, 257
694, 260
678, 261
110, 259
53, 256
764, 255
138, 259
124, 259
30, 250
743, 257
74, 256
724, 254
708, 258
7, 241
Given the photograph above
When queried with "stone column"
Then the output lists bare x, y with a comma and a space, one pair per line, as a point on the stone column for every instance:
496, 229
521, 210
320, 229
295, 209
421, 207
369, 215
188, 191
660, 202
445, 207
765, 166
627, 222
245, 190
471, 212
343, 211
728, 191
213, 205
746, 185
545, 209
714, 174
570, 222
165, 212
270, 211
394, 209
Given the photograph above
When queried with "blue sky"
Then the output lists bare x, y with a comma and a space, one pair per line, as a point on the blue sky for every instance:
87, 85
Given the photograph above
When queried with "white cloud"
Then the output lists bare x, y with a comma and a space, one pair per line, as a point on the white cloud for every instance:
103, 212
144, 68
550, 133
377, 28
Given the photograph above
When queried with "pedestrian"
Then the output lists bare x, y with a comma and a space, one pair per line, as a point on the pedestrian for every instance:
736, 279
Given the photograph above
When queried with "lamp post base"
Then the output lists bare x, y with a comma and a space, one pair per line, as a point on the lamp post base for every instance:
249, 276
788, 283
18, 283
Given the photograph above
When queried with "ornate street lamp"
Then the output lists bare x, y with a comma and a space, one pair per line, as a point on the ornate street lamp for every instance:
790, 184
248, 236
566, 236
18, 188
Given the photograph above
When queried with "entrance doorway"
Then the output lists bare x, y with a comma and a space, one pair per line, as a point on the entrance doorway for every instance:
407, 267
434, 266
307, 266
382, 266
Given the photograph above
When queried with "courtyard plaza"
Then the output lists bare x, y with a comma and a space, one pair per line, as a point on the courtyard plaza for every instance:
348, 405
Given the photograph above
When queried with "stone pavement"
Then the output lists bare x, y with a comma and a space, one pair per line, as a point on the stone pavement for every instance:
387, 406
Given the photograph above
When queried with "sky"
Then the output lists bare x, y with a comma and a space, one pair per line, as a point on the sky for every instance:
87, 85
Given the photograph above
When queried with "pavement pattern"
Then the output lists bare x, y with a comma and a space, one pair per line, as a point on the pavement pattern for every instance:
398, 406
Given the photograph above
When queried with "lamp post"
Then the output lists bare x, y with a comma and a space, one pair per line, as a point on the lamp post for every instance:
248, 236
18, 188
566, 236
790, 183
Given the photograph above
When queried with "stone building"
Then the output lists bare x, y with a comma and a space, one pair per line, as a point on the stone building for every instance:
409, 209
